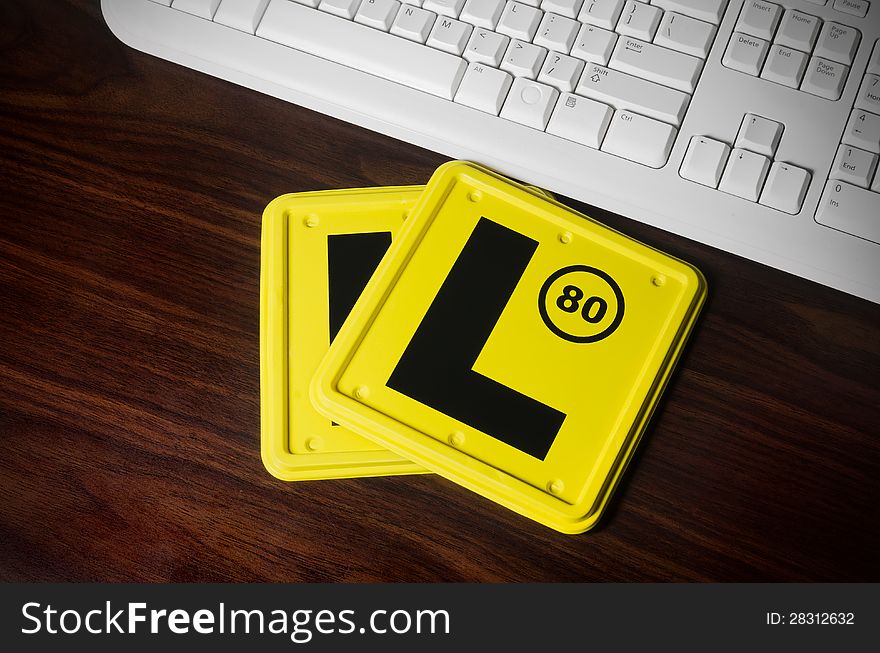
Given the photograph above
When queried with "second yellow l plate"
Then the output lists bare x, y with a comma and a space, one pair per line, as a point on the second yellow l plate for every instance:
511, 345
318, 252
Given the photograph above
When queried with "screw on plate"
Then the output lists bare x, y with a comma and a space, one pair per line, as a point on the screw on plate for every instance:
406, 214
456, 439
658, 280
314, 443
311, 220
565, 237
475, 196
362, 392
555, 486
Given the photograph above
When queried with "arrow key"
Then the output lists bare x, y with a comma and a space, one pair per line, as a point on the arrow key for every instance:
744, 175
786, 188
759, 135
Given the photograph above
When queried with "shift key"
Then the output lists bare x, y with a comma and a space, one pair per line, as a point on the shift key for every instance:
624, 91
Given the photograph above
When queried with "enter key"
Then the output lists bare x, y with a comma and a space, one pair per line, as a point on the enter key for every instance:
657, 64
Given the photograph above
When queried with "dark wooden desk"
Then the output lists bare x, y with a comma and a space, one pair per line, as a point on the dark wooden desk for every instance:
130, 210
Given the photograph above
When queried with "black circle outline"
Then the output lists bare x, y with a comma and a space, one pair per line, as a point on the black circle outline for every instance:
618, 294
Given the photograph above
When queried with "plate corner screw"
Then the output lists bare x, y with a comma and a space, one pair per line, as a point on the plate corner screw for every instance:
456, 439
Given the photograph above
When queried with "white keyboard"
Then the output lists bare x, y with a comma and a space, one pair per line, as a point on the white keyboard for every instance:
753, 126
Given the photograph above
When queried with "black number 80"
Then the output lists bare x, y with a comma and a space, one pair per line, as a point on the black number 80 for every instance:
569, 301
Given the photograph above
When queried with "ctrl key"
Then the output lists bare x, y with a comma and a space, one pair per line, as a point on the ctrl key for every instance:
850, 209
639, 139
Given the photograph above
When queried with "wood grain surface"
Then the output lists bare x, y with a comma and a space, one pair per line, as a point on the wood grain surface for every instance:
131, 191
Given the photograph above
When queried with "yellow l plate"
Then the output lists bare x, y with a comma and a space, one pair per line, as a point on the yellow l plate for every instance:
318, 251
512, 345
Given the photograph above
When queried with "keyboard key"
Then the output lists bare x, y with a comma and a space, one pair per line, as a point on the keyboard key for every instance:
519, 21
854, 166
594, 44
825, 78
523, 59
874, 61
786, 188
567, 8
245, 15
483, 13
449, 8
413, 23
744, 174
863, 130
759, 135
685, 34
798, 30
529, 103
639, 139
785, 66
745, 53
561, 71
486, 47
580, 120
759, 18
708, 10
869, 94
704, 161
639, 20
362, 48
837, 43
853, 7
449, 35
377, 13
627, 92
601, 13
343, 8
200, 8
556, 33
849, 209
484, 88
656, 64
